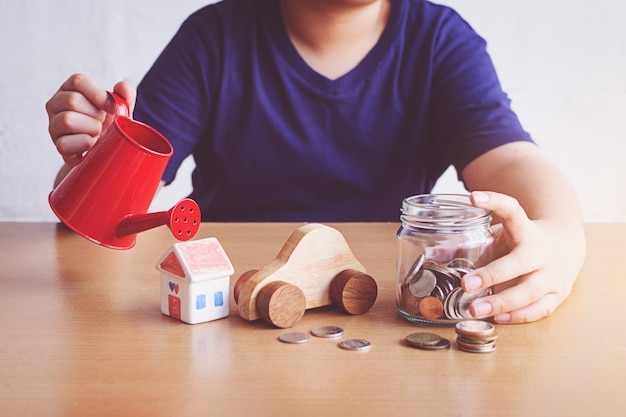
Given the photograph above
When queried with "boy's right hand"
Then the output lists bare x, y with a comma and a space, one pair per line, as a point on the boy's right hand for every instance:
79, 112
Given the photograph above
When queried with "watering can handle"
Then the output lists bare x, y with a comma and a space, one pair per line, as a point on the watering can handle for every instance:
123, 109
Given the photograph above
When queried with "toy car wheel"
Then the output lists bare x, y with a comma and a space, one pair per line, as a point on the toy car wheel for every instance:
240, 281
281, 304
353, 291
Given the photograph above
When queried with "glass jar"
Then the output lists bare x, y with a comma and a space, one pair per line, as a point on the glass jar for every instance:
442, 237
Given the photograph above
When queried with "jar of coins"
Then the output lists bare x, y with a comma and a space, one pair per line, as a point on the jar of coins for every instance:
442, 237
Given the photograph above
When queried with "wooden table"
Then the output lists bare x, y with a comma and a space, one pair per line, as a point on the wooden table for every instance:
82, 334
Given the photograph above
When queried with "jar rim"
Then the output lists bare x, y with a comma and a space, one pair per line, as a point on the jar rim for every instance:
443, 211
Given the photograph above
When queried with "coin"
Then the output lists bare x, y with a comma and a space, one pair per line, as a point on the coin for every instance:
355, 344
442, 344
474, 328
423, 338
476, 342
464, 302
432, 290
462, 265
480, 339
431, 308
294, 337
423, 283
408, 302
327, 331
476, 336
475, 348
417, 265
450, 304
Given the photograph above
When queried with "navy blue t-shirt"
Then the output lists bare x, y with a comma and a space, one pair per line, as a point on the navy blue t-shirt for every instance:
273, 140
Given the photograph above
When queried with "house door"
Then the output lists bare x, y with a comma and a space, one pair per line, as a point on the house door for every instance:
173, 306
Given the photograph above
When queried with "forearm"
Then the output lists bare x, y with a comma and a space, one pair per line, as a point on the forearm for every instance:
540, 239
525, 174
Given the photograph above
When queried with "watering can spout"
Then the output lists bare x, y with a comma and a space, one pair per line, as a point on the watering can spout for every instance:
183, 221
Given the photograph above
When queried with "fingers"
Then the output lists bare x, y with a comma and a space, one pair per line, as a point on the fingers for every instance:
532, 297
78, 113
512, 216
89, 90
126, 90
70, 113
530, 300
74, 130
517, 231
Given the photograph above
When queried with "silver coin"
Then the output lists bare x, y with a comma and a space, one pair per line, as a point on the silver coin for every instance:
446, 282
454, 274
475, 328
327, 331
450, 304
439, 293
434, 266
423, 283
355, 344
415, 268
466, 299
462, 265
294, 337
467, 347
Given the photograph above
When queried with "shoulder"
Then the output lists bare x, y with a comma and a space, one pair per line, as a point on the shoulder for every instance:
426, 13
228, 24
230, 12
437, 23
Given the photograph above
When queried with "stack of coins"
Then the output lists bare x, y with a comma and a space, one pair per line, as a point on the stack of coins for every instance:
476, 336
433, 291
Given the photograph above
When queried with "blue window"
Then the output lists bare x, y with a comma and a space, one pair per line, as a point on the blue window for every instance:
200, 302
218, 299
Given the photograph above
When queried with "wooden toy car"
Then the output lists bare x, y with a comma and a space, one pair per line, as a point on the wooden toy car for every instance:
314, 268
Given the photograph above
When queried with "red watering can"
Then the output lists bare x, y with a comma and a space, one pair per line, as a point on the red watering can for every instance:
106, 196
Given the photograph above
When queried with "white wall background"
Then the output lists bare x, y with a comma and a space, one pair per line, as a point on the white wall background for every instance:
562, 62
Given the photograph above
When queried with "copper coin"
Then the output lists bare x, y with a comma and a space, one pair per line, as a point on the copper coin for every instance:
408, 302
480, 339
423, 339
431, 308
442, 344
476, 342
427, 341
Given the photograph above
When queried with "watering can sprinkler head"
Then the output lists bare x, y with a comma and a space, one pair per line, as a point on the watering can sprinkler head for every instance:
183, 221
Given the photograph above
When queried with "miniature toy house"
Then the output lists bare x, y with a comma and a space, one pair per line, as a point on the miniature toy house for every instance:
195, 281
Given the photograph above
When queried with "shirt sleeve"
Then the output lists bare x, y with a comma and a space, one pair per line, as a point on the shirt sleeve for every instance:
175, 95
472, 113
